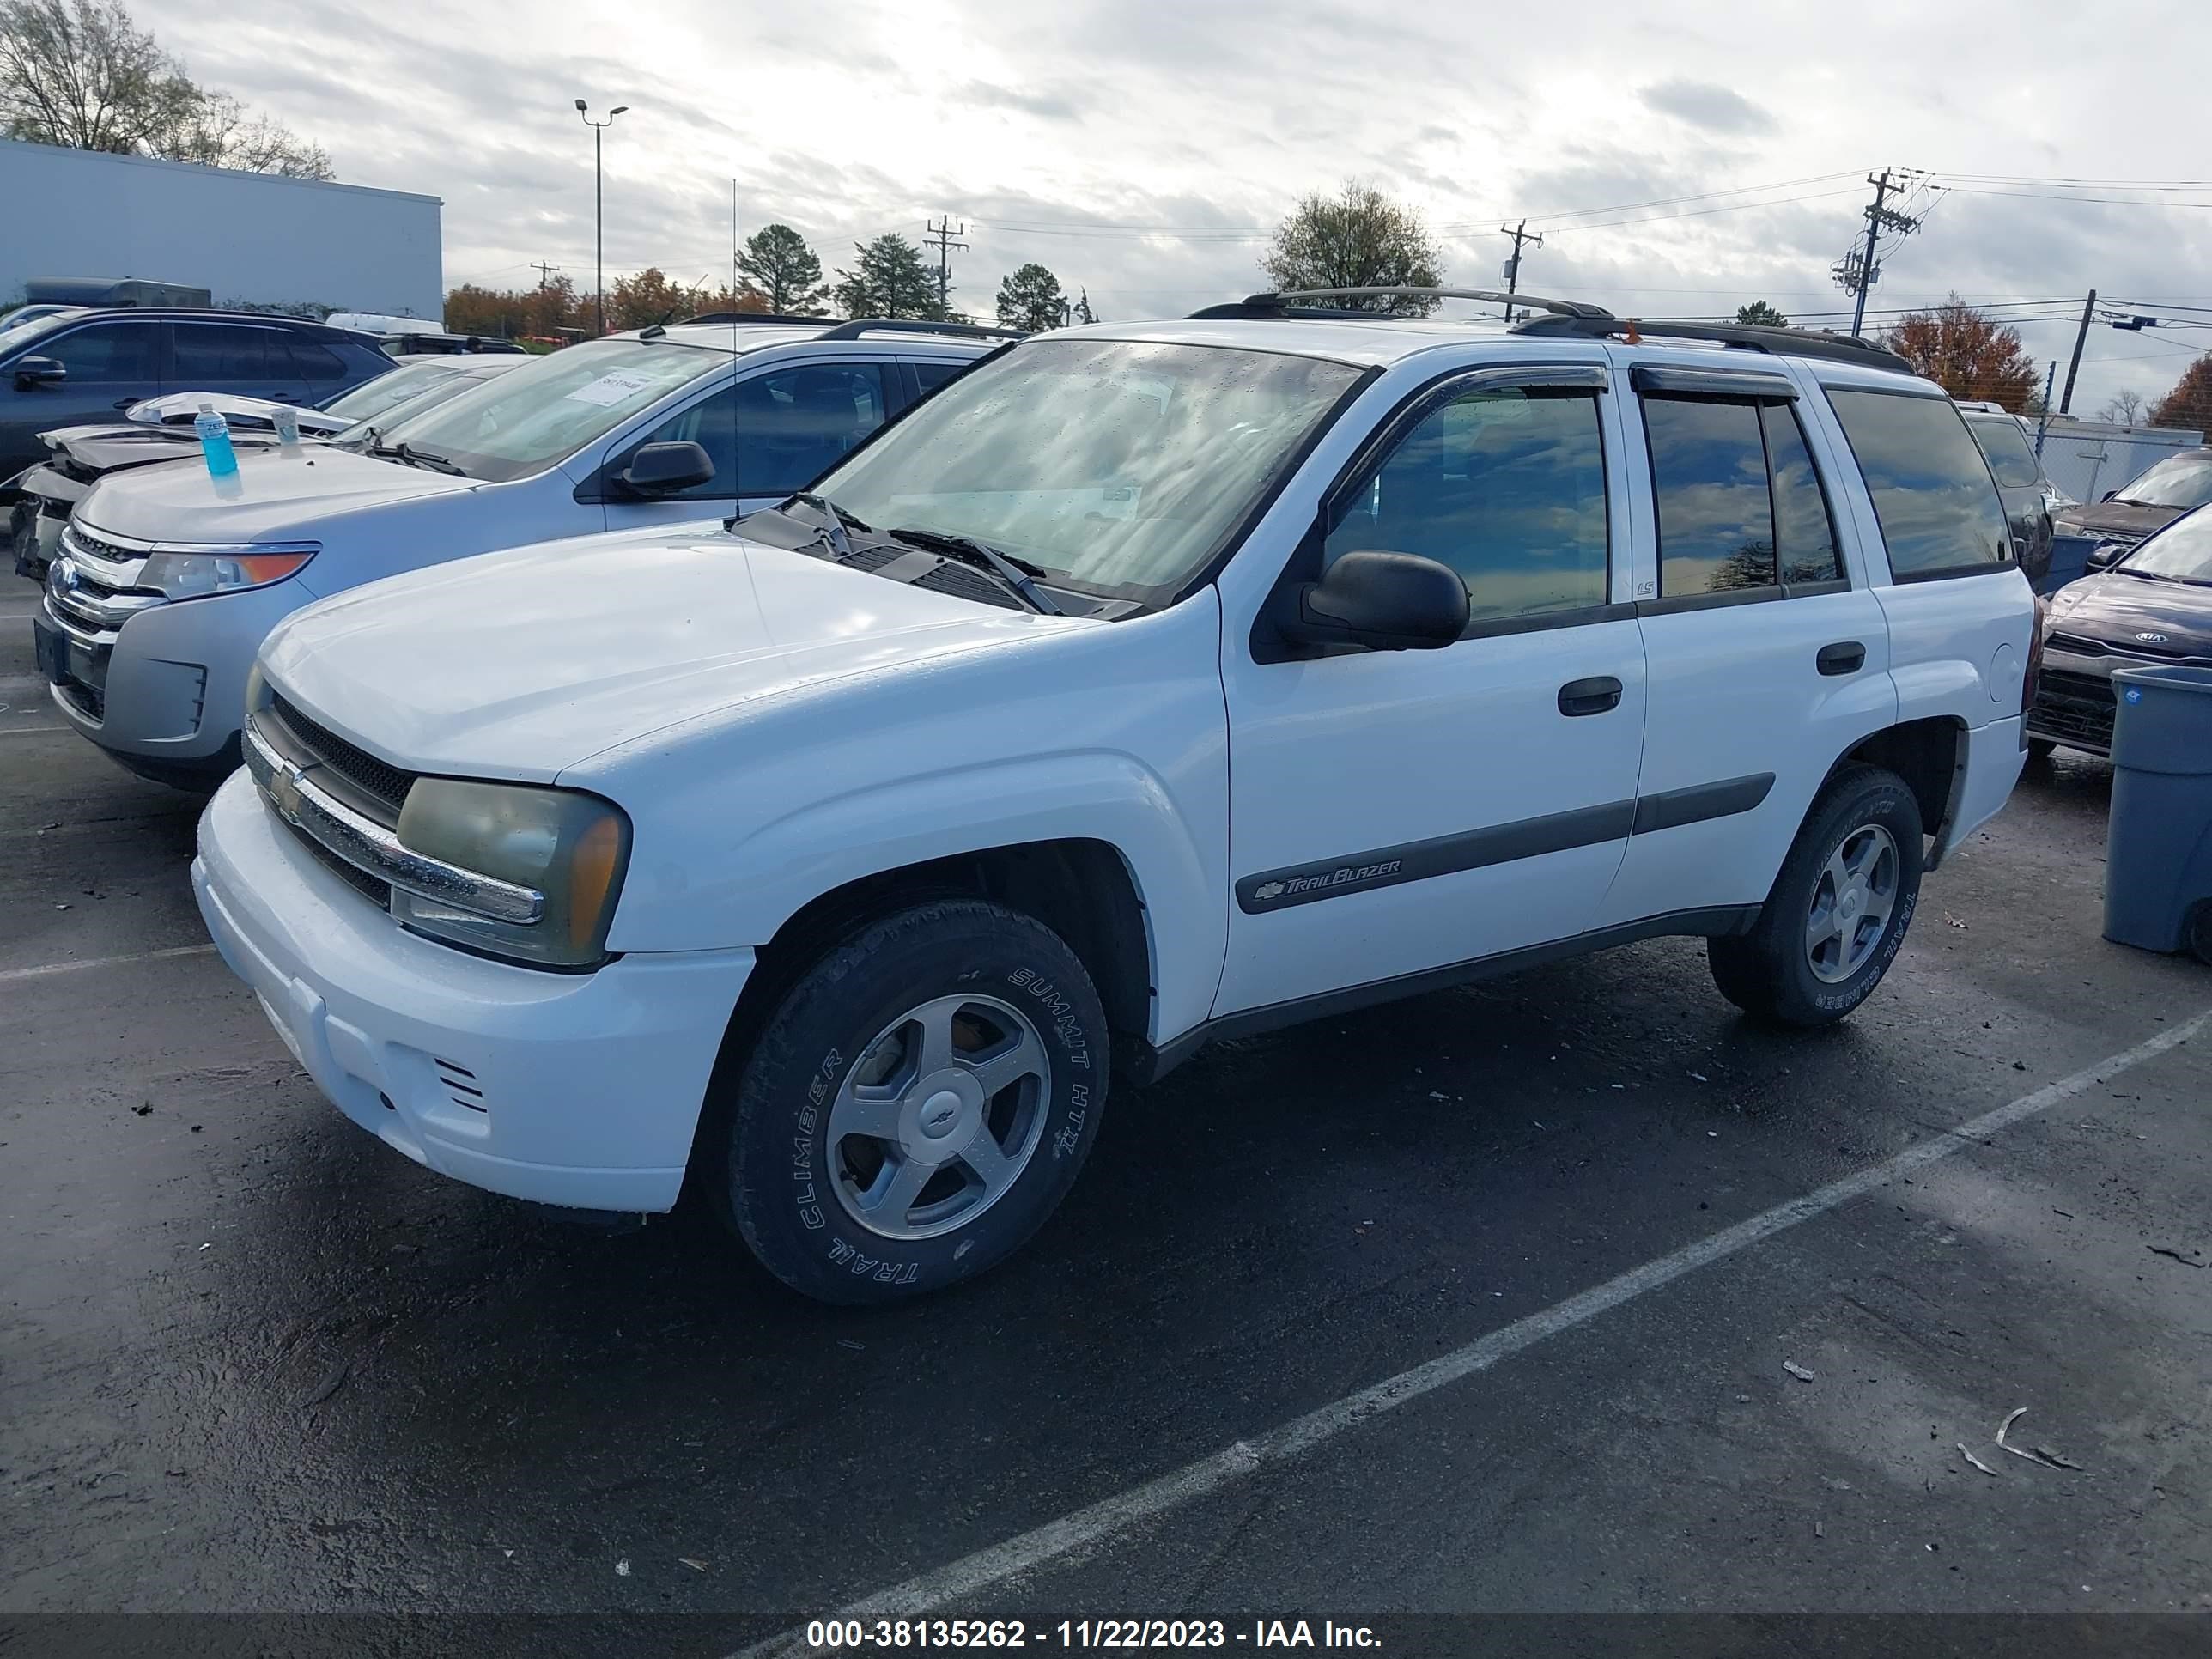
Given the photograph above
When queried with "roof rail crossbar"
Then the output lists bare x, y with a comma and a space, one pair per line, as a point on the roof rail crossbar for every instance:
751, 316
1285, 298
860, 325
1784, 341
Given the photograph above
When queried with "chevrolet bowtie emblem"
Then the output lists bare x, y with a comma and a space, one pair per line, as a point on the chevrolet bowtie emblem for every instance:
285, 791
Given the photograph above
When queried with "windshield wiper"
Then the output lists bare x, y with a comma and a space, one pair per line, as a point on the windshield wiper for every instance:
1016, 573
837, 534
421, 458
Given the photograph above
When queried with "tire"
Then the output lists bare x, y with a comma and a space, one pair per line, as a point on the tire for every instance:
876, 1035
2041, 748
1866, 815
2200, 931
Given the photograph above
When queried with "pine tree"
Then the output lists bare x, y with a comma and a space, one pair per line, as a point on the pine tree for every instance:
780, 263
888, 279
1031, 298
1761, 315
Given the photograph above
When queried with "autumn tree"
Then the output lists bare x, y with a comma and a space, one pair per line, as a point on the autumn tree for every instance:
1761, 315
776, 260
538, 314
81, 75
2190, 404
1031, 298
1967, 352
1359, 237
649, 297
888, 279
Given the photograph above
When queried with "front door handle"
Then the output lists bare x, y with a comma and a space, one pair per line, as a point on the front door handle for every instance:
125, 403
1844, 657
1599, 694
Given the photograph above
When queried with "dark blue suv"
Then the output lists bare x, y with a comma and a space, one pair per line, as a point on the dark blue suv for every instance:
78, 367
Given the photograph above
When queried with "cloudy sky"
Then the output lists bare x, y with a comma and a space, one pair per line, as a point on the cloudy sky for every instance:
1144, 149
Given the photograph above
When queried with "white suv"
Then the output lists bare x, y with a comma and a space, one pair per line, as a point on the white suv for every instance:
1150, 683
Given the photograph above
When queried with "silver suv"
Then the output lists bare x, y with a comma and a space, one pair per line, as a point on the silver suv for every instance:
169, 579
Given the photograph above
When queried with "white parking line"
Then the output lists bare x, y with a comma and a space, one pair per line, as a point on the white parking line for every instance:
47, 967
21, 730
1004, 1562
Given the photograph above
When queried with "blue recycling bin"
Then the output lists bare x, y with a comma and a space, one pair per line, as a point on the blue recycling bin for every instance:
2158, 847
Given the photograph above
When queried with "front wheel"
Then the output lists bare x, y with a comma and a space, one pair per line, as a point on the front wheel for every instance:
1838, 910
916, 1105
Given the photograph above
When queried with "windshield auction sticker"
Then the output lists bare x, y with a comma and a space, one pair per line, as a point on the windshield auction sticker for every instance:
616, 385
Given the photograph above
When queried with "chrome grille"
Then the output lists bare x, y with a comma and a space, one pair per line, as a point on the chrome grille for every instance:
309, 743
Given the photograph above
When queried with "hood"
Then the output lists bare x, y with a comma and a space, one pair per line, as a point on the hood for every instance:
2115, 611
274, 496
522, 663
90, 452
2123, 521
254, 414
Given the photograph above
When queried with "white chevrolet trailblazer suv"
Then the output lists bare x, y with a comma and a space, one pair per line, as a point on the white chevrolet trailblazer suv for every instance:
1148, 684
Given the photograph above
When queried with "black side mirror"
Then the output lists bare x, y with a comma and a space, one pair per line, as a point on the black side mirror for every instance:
33, 372
657, 469
2103, 556
1384, 601
2108, 495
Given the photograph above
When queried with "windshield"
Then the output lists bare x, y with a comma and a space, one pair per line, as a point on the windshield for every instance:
386, 391
1119, 464
2178, 481
2182, 552
522, 422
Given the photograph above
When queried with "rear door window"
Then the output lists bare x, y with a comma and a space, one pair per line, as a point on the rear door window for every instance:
1933, 493
1715, 510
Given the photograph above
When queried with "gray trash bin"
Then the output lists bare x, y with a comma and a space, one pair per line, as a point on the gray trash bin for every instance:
2158, 850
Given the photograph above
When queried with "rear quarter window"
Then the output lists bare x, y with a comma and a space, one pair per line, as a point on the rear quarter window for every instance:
1933, 494
2006, 447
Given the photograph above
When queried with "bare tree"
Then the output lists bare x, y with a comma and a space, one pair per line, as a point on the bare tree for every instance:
81, 75
2122, 409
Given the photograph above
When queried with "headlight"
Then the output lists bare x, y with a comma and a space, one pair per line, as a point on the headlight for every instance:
221, 570
571, 848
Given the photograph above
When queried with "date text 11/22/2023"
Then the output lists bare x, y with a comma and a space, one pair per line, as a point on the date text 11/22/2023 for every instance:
846, 1635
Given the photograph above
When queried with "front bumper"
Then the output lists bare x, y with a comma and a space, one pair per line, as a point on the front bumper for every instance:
581, 1089
165, 693
2074, 703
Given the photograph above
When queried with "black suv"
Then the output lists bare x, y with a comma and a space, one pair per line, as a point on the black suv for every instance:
84, 366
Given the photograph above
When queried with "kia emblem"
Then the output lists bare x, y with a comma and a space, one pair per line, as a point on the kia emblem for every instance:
2151, 639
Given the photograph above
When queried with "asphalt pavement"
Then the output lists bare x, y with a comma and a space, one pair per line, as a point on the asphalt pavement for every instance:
1568, 1293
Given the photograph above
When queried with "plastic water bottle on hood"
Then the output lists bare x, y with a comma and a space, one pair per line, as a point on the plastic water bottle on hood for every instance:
214, 443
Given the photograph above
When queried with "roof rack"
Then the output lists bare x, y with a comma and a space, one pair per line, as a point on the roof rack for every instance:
751, 317
1784, 342
1289, 302
860, 325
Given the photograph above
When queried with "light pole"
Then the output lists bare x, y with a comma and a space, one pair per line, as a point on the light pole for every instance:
599, 216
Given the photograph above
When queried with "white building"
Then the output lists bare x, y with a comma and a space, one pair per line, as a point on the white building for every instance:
243, 236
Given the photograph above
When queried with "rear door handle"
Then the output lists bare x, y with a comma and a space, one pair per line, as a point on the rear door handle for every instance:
1599, 694
1844, 657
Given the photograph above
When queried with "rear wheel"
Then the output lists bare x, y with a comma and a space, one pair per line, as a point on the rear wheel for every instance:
1838, 911
916, 1105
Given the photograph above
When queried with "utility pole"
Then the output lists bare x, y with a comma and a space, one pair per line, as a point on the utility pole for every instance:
544, 271
941, 232
1858, 270
2081, 337
1520, 234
